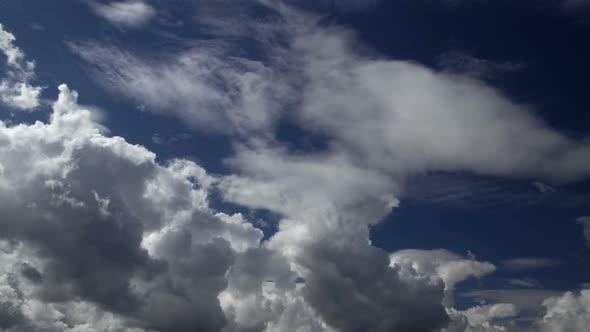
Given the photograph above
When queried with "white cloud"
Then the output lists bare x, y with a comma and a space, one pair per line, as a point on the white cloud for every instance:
525, 300
102, 228
481, 318
204, 86
565, 313
450, 267
15, 90
409, 119
125, 13
526, 282
327, 205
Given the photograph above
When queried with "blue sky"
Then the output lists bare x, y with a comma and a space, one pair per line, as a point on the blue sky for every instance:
280, 165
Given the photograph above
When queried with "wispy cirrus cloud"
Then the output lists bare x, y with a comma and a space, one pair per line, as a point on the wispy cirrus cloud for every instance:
529, 263
463, 63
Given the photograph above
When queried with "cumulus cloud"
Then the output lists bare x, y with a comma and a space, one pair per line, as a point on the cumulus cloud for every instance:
450, 267
15, 89
324, 233
568, 312
481, 318
92, 224
126, 13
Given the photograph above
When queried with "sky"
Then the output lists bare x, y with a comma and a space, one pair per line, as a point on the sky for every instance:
294, 165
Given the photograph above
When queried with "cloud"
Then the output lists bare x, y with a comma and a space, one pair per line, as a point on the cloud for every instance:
462, 63
92, 224
526, 282
543, 188
450, 267
126, 13
409, 119
530, 263
481, 318
15, 89
585, 222
262, 296
568, 312
327, 205
562, 312
206, 87
527, 301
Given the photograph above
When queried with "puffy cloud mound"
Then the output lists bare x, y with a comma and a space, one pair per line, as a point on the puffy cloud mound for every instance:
15, 90
566, 313
480, 318
328, 205
450, 267
92, 224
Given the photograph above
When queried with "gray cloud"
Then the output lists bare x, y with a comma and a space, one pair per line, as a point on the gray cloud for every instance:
205, 86
94, 221
324, 233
